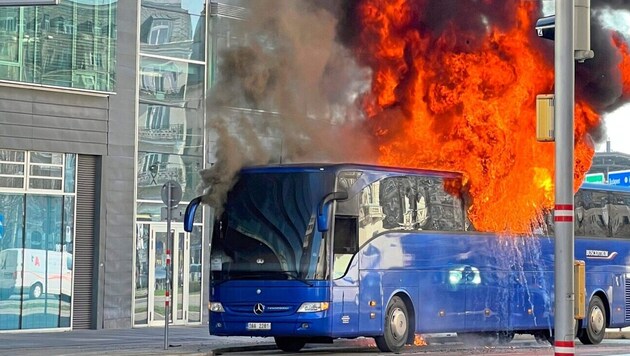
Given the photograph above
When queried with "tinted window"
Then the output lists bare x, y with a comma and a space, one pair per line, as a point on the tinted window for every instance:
592, 214
408, 203
620, 215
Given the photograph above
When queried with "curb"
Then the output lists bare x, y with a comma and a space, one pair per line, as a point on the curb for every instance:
242, 348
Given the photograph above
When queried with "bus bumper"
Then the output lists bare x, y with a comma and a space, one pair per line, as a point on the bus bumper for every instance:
300, 324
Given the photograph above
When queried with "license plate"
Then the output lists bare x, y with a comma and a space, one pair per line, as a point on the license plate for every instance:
258, 326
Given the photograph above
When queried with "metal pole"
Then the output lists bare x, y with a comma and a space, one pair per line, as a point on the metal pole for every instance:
167, 295
564, 332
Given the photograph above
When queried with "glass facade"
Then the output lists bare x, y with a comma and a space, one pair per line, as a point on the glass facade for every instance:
171, 92
171, 117
37, 214
71, 45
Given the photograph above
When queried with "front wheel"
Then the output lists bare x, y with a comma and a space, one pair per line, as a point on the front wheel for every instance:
595, 329
289, 344
36, 291
396, 328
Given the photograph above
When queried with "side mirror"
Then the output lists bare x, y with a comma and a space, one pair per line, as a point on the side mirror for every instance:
323, 222
189, 215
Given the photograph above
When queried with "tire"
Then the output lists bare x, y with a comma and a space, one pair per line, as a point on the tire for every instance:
396, 328
505, 337
544, 337
37, 290
289, 344
595, 329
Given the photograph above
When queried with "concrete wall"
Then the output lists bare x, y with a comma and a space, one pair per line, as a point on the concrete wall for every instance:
116, 250
99, 125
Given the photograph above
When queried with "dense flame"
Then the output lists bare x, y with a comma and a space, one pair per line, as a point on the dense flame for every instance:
418, 340
464, 101
624, 63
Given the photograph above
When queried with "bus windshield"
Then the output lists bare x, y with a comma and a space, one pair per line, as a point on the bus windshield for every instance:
267, 230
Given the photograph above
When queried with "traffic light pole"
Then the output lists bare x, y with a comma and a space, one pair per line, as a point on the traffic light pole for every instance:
564, 299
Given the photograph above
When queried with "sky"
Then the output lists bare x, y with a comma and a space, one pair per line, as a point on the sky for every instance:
617, 122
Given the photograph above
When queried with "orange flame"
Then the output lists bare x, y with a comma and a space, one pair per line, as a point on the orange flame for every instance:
458, 102
624, 63
418, 340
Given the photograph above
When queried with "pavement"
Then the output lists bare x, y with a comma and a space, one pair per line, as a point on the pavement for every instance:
182, 340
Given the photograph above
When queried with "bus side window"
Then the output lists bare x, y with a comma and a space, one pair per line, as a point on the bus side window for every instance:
346, 243
596, 213
620, 215
346, 239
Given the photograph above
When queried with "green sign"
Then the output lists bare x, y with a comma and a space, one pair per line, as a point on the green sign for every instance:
594, 178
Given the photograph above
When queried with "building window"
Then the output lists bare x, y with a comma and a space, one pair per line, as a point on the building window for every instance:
37, 220
60, 45
160, 32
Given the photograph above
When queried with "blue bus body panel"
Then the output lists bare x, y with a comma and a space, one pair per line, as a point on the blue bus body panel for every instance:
480, 282
280, 300
462, 282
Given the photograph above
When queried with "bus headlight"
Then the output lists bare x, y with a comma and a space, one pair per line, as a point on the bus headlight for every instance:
215, 307
313, 307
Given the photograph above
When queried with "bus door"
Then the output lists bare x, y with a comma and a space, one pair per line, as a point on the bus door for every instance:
345, 308
345, 290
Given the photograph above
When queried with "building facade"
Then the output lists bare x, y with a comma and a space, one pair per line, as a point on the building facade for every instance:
101, 103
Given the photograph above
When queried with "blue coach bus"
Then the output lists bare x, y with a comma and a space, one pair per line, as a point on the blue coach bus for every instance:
310, 253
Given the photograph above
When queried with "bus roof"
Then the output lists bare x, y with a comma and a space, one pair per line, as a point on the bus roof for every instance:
605, 187
336, 167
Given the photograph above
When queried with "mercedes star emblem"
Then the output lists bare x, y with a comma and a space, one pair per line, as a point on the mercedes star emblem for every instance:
259, 308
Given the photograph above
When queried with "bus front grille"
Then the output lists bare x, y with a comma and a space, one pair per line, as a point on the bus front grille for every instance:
261, 309
627, 298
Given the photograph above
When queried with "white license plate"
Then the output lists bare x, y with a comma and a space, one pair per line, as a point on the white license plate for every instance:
258, 326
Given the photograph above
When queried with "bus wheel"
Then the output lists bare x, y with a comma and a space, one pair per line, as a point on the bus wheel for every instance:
544, 337
36, 291
396, 328
505, 337
289, 344
595, 329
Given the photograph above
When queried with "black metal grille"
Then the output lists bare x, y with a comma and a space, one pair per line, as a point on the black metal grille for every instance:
84, 244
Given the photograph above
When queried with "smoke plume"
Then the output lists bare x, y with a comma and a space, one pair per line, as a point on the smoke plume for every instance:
285, 92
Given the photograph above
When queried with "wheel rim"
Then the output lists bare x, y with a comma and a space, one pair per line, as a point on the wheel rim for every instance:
37, 291
596, 321
398, 324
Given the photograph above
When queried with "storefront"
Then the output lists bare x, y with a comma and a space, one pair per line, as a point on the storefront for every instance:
37, 224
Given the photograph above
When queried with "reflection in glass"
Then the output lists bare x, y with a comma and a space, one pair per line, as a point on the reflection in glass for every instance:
180, 271
70, 45
70, 170
11, 216
194, 284
159, 276
155, 169
170, 81
36, 262
142, 275
173, 30
42, 267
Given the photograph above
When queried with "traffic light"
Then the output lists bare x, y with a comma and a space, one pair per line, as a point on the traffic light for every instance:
546, 28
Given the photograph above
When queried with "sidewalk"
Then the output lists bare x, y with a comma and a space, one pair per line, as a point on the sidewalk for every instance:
183, 340
139, 341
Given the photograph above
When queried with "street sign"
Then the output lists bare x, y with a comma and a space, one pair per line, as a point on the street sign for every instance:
28, 2
594, 178
175, 193
621, 178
